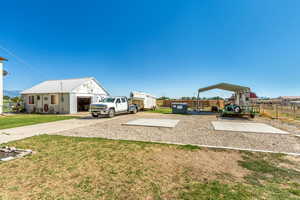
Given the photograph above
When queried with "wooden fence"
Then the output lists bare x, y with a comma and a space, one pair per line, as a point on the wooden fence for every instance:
279, 111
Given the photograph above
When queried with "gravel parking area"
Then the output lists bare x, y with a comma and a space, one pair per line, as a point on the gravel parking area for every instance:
192, 129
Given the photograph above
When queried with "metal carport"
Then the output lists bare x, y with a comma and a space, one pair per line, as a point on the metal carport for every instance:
240, 91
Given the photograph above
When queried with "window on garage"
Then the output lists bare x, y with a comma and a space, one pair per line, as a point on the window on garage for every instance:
54, 99
31, 100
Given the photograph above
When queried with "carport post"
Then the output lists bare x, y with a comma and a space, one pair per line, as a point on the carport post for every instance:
294, 111
237, 98
198, 101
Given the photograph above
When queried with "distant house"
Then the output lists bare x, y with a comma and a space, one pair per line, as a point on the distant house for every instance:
63, 96
286, 100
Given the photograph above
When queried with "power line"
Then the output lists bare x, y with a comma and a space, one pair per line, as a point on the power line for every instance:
21, 61
14, 55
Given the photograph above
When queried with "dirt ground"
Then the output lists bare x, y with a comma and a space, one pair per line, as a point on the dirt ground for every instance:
193, 129
204, 166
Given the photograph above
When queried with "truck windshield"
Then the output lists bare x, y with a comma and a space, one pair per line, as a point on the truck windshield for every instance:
108, 100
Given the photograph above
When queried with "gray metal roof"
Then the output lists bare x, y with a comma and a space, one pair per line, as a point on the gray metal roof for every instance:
58, 86
225, 86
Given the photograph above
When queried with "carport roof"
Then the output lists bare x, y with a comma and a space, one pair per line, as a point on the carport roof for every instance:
225, 86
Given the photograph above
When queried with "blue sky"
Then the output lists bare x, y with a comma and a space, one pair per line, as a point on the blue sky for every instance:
166, 47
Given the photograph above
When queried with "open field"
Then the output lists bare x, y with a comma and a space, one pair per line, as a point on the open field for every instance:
17, 120
94, 168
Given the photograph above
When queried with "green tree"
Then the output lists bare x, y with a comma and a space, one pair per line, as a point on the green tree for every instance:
16, 99
163, 98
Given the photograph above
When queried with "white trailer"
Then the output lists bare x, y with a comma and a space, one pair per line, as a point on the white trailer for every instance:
144, 100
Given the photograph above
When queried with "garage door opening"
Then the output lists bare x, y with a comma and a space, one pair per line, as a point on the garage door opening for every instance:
83, 104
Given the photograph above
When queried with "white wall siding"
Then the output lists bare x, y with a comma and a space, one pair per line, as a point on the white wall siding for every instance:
90, 87
40, 100
73, 103
1, 88
28, 107
65, 103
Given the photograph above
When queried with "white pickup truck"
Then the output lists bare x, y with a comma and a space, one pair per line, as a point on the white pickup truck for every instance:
110, 106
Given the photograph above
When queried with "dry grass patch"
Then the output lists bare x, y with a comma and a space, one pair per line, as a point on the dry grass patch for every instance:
90, 168
203, 165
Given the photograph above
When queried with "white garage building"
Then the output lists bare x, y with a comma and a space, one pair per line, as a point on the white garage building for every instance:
63, 96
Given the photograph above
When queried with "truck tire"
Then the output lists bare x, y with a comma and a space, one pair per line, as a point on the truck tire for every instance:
95, 115
134, 111
111, 113
237, 109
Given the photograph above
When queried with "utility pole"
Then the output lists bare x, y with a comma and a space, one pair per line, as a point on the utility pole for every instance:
2, 73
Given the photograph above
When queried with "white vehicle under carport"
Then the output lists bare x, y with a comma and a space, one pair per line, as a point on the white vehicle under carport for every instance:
111, 106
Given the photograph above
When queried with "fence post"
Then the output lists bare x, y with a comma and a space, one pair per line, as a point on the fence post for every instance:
276, 110
294, 111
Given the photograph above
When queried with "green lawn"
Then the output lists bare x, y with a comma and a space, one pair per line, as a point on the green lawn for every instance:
91, 168
162, 110
28, 119
5, 107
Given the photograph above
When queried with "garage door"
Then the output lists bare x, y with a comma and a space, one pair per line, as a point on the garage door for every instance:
83, 104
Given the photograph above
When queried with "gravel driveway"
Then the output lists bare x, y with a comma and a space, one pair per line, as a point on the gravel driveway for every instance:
192, 129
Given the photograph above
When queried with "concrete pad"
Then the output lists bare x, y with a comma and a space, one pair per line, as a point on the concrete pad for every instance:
168, 123
246, 127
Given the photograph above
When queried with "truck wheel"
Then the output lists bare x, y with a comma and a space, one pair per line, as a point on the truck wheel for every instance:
111, 113
134, 111
95, 115
237, 109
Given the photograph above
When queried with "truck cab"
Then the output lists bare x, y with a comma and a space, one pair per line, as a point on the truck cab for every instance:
110, 106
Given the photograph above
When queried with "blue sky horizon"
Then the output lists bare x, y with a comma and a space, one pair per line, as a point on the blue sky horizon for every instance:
168, 48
